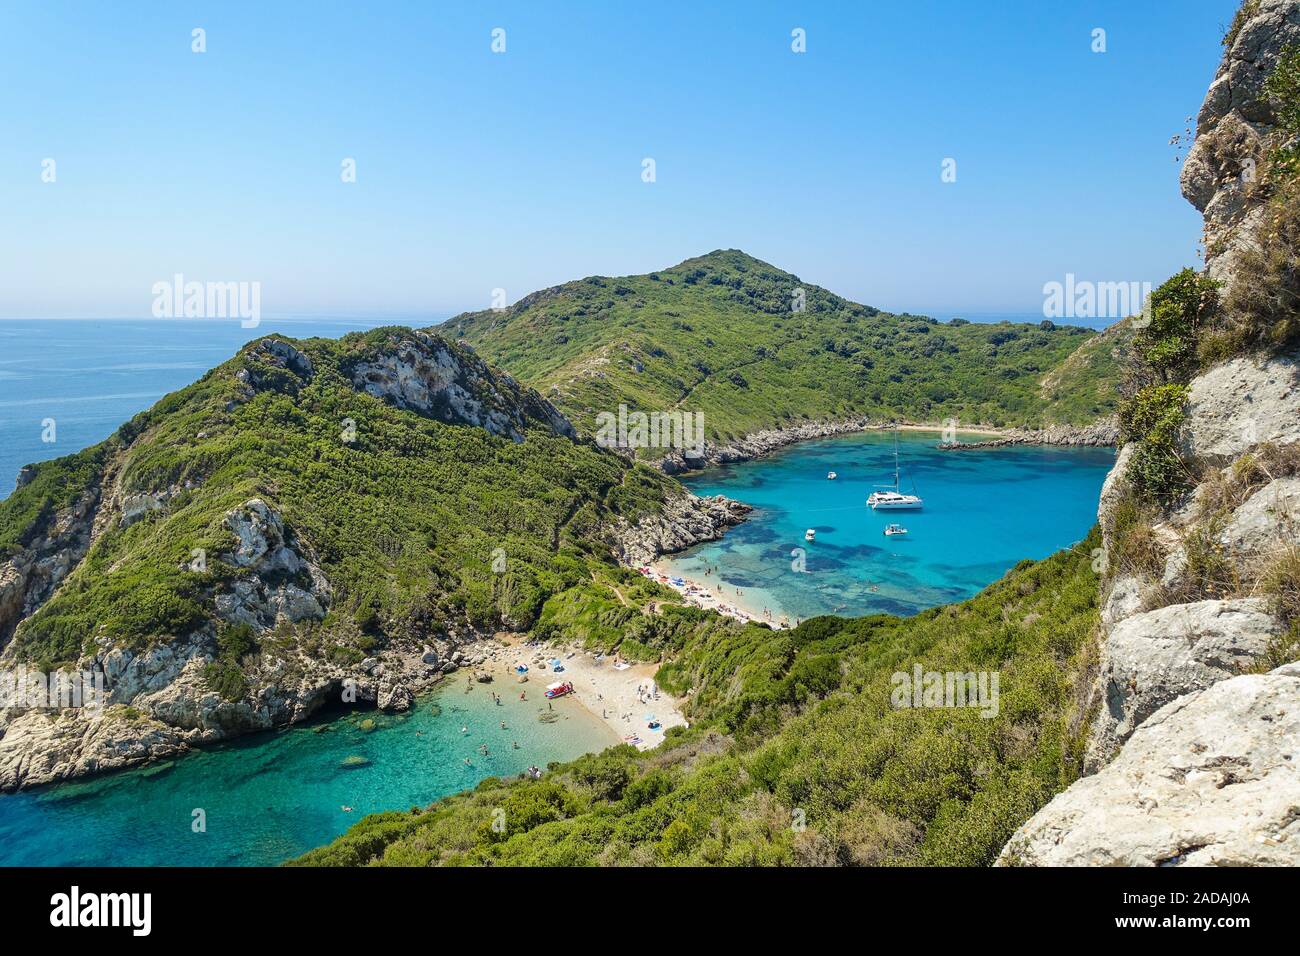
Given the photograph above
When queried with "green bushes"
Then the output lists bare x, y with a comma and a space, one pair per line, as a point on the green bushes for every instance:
1166, 347
224, 675
405, 520
819, 767
1152, 418
734, 350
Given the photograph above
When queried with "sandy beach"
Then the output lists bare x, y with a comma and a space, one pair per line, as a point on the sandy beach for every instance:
623, 695
714, 595
971, 430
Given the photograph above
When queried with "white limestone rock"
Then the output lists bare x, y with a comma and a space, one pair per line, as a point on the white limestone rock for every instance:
1152, 658
1240, 404
1210, 779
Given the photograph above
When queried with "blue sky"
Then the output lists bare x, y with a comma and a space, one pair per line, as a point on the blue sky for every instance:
519, 170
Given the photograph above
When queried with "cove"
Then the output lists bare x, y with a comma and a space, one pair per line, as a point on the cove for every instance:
985, 510
273, 796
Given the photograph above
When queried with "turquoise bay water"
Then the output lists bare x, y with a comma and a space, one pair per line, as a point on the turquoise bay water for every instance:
273, 796
984, 511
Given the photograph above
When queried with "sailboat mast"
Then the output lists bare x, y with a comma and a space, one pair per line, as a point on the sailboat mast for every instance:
896, 473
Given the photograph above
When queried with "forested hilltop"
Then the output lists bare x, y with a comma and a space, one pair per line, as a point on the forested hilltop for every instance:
753, 347
305, 513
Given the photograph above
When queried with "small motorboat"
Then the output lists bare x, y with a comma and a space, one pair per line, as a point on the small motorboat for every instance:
892, 530
831, 475
809, 535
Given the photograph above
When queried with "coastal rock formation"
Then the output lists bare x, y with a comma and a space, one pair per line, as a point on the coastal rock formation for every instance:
30, 577
1219, 175
160, 702
425, 374
1191, 756
43, 747
1240, 404
1099, 434
760, 443
1153, 658
686, 520
1208, 780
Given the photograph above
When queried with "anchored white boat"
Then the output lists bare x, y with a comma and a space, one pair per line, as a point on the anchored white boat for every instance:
894, 529
894, 500
809, 534
831, 475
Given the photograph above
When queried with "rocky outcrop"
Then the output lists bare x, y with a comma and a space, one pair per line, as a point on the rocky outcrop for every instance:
424, 373
1153, 658
1208, 780
29, 578
1192, 758
280, 582
160, 703
685, 520
1102, 433
1232, 129
42, 746
761, 443
1240, 404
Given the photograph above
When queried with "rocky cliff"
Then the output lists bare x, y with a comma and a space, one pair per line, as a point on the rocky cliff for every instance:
1191, 754
685, 520
312, 521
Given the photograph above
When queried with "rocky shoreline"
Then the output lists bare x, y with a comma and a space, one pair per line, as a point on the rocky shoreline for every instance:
685, 521
1103, 433
160, 702
760, 443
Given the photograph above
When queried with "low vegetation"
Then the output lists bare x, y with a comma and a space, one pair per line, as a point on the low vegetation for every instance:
753, 347
796, 754
406, 520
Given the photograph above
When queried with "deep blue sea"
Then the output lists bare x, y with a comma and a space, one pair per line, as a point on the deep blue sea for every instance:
272, 796
91, 375
984, 511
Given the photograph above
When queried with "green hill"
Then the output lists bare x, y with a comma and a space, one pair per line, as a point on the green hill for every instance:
397, 494
719, 334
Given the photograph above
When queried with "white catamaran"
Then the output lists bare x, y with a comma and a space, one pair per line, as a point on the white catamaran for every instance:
894, 500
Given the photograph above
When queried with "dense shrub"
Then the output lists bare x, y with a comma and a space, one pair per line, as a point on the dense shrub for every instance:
866, 782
